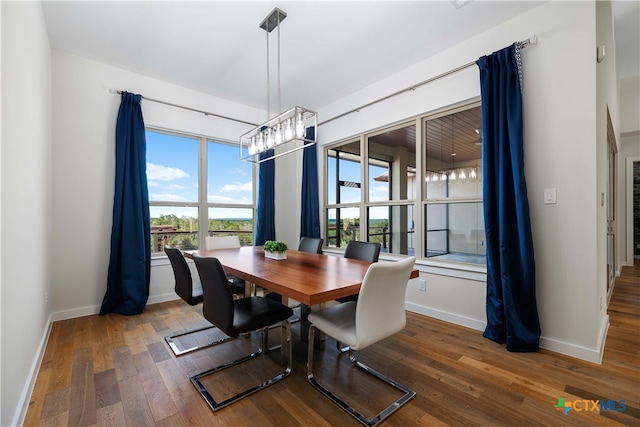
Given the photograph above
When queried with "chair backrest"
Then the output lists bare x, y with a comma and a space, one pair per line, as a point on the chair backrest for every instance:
365, 251
310, 244
380, 311
182, 273
217, 304
223, 242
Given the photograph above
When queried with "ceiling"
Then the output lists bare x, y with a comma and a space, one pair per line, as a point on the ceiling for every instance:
329, 49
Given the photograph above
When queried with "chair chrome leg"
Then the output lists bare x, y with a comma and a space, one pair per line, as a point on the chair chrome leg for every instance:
174, 347
195, 380
341, 348
408, 394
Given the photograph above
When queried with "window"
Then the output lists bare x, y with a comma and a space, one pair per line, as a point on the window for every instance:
380, 185
453, 212
344, 194
229, 193
398, 193
189, 201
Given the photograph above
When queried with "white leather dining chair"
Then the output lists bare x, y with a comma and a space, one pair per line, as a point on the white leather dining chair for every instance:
378, 314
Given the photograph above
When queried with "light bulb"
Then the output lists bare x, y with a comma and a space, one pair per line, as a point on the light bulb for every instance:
463, 175
452, 176
435, 177
252, 146
260, 142
427, 178
299, 126
288, 130
278, 137
270, 141
473, 173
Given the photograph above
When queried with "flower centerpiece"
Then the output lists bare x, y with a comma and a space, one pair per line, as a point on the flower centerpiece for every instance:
275, 250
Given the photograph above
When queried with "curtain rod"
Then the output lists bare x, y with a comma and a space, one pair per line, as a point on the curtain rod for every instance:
530, 41
206, 113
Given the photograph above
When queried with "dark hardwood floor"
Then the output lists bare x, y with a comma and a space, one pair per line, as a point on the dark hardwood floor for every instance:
115, 370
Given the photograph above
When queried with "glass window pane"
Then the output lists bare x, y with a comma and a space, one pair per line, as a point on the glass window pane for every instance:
343, 225
454, 155
229, 179
343, 174
172, 167
232, 222
392, 227
455, 232
392, 164
173, 226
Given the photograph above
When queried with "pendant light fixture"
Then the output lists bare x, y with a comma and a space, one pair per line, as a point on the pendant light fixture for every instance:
286, 132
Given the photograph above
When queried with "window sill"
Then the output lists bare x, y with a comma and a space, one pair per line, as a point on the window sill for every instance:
441, 268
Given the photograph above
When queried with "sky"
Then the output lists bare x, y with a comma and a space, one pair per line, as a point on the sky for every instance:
172, 176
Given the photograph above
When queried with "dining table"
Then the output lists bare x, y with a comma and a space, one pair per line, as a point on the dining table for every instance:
308, 278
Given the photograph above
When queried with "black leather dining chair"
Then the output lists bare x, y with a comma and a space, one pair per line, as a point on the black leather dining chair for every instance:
190, 291
310, 244
236, 317
364, 251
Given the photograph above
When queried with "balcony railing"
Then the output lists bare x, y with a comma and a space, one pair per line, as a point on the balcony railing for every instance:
188, 240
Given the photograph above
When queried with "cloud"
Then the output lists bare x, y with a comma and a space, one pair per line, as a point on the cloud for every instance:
164, 173
215, 198
238, 171
176, 187
166, 197
248, 186
153, 184
219, 199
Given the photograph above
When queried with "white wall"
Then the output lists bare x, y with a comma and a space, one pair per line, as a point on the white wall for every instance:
629, 104
560, 152
606, 103
25, 199
84, 145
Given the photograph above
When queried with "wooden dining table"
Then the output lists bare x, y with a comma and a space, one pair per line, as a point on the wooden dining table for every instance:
308, 278
305, 277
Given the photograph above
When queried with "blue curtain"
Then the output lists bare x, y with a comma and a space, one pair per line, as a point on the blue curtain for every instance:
130, 260
512, 313
266, 221
310, 209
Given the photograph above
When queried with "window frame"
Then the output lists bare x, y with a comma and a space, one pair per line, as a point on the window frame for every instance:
419, 203
202, 204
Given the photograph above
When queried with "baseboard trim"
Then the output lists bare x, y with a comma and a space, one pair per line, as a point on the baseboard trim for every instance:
25, 397
587, 354
95, 309
446, 316
568, 349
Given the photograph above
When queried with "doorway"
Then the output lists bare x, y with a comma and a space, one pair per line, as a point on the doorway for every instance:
611, 205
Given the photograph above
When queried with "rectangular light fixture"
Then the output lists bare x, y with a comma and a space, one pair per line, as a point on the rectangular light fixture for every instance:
285, 133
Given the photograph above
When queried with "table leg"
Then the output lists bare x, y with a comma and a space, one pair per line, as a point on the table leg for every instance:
304, 328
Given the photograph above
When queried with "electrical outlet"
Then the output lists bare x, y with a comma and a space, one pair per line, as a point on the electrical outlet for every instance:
46, 298
422, 285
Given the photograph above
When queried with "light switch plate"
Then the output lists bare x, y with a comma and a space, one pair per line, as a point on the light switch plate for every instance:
550, 196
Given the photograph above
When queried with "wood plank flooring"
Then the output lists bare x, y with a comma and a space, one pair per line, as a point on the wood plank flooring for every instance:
117, 371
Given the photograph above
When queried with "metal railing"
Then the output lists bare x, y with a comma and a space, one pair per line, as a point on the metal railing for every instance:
189, 239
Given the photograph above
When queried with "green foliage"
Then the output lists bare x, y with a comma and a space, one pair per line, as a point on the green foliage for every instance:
185, 235
275, 246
